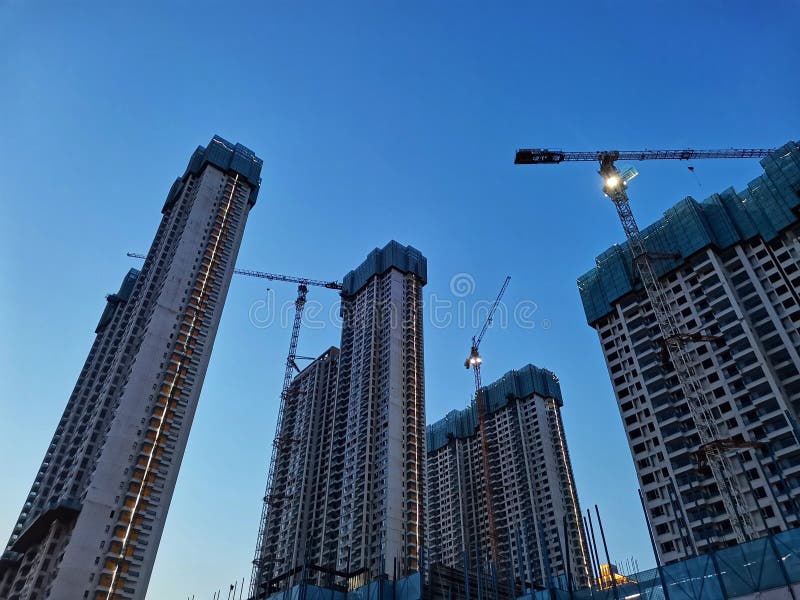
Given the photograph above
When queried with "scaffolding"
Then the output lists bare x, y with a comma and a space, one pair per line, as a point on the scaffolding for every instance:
767, 564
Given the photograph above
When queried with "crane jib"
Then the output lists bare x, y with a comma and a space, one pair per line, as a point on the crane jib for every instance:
543, 156
331, 285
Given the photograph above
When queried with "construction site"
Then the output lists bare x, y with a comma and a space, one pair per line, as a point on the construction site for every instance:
718, 464
400, 301
697, 315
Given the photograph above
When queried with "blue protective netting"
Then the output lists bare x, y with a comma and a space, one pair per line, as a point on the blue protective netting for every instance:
768, 563
229, 158
407, 588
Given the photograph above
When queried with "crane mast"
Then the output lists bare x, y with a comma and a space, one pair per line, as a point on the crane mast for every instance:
674, 342
280, 443
273, 497
474, 360
681, 359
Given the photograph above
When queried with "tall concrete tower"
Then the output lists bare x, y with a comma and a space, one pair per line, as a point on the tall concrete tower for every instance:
731, 269
346, 500
382, 383
539, 523
91, 524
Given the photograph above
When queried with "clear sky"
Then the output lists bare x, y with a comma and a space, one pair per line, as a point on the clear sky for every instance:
375, 120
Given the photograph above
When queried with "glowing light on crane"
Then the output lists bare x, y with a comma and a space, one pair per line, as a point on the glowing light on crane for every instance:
712, 445
474, 360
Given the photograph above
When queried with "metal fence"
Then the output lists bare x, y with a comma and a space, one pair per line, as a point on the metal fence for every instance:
407, 588
769, 563
746, 570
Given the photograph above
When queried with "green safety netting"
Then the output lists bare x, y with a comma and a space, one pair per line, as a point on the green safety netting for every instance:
518, 383
393, 255
766, 207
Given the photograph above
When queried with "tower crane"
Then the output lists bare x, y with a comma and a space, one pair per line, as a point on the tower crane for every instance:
540, 156
474, 360
279, 443
331, 285
712, 445
271, 496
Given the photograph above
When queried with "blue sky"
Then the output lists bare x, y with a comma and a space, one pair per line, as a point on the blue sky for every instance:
376, 121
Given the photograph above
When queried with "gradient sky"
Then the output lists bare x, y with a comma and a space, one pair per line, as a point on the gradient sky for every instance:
376, 121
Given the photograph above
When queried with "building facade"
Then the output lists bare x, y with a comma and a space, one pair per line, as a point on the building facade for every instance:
382, 383
348, 479
537, 513
91, 524
732, 276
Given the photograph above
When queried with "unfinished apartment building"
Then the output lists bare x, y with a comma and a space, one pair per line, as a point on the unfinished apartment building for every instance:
537, 514
382, 382
91, 523
731, 268
303, 515
347, 490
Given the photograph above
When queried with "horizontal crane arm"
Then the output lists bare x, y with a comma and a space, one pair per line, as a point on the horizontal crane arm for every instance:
543, 156
331, 285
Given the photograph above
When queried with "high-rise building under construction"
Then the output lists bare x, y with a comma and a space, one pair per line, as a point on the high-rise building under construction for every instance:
538, 518
346, 495
730, 266
91, 524
302, 521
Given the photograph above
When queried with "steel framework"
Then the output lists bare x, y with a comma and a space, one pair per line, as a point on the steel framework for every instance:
542, 156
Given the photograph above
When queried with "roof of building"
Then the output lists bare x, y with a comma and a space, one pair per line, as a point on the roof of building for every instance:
126, 288
769, 204
331, 354
516, 384
229, 158
393, 255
